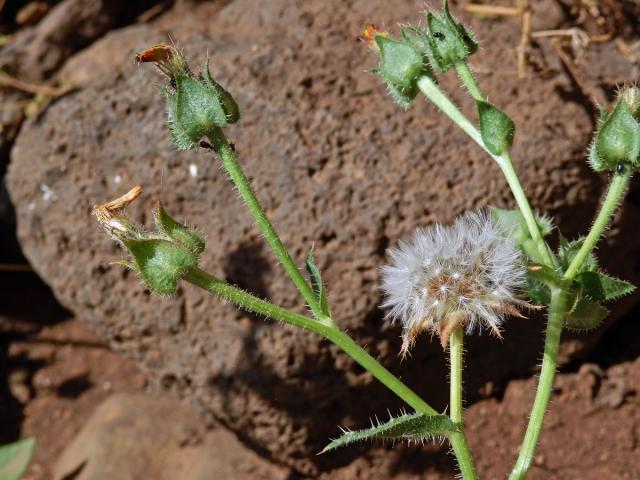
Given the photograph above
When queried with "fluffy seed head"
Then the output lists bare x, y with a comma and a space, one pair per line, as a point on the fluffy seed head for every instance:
467, 274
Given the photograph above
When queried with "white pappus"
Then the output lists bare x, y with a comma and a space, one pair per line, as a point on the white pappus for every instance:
468, 273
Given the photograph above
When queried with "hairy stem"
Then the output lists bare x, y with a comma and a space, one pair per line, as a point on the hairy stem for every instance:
557, 311
429, 88
615, 193
458, 440
468, 80
248, 302
240, 180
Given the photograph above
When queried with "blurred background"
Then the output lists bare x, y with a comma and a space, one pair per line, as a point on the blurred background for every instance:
116, 384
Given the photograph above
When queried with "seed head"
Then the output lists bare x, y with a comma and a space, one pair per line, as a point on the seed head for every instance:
467, 274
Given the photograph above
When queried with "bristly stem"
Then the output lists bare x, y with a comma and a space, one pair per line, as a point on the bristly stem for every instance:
248, 302
469, 81
557, 312
429, 88
458, 440
615, 193
240, 180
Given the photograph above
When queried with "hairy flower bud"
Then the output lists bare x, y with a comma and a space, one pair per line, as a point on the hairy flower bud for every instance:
466, 274
197, 106
160, 258
617, 141
451, 42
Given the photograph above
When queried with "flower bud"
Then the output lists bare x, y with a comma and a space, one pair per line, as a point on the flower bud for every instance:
450, 41
197, 106
160, 258
617, 141
401, 64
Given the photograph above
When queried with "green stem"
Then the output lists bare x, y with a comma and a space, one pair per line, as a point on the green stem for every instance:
557, 311
216, 286
240, 180
468, 80
616, 191
458, 440
429, 88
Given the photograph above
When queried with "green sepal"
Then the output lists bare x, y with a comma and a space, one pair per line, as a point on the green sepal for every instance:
451, 42
617, 140
545, 275
585, 315
416, 426
160, 263
401, 65
515, 224
317, 285
15, 458
601, 287
496, 128
231, 109
191, 238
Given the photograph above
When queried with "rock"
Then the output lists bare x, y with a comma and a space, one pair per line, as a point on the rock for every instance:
35, 53
133, 436
335, 163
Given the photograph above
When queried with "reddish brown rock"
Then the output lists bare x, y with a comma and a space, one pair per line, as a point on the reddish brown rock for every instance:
336, 164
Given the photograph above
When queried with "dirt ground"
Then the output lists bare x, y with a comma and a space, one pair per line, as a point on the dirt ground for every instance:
55, 371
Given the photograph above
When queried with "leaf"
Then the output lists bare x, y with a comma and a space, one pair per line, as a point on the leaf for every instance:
585, 315
537, 292
568, 251
602, 287
407, 426
317, 285
15, 458
545, 275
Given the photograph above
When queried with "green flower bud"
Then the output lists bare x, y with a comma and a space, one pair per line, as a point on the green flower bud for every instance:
197, 106
451, 42
161, 258
496, 128
402, 63
617, 141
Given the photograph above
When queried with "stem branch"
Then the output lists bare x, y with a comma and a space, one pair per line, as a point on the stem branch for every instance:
616, 191
429, 88
240, 180
247, 301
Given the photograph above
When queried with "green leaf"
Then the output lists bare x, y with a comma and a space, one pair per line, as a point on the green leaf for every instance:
407, 426
567, 252
602, 287
317, 285
496, 128
585, 315
161, 263
537, 292
15, 458
545, 275
191, 238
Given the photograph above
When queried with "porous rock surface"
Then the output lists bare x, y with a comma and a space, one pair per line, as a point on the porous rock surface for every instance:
335, 163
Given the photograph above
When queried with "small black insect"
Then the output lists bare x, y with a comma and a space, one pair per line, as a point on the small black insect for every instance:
620, 168
172, 82
439, 35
